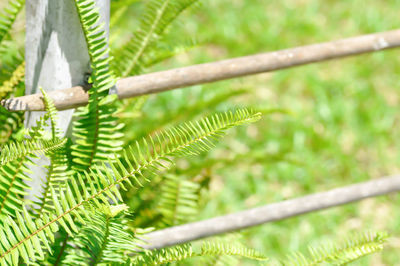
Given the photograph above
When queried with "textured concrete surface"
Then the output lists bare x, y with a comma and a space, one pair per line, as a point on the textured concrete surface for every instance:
56, 57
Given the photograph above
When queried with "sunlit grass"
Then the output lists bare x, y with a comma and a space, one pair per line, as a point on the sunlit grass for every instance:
341, 124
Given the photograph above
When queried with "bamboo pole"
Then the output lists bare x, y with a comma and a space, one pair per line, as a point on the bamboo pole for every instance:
221, 70
272, 212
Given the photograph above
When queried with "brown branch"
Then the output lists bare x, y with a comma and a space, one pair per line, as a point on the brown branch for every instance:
272, 212
209, 72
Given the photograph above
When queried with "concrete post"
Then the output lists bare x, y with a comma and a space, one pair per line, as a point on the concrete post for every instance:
56, 56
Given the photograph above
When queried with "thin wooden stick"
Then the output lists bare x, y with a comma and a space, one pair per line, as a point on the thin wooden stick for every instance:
272, 212
209, 72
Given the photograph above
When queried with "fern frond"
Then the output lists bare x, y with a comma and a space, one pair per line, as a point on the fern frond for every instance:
17, 150
105, 239
96, 129
217, 248
57, 175
183, 252
12, 186
149, 125
147, 157
156, 18
16, 78
179, 200
164, 256
96, 40
8, 16
13, 170
353, 248
14, 160
58, 171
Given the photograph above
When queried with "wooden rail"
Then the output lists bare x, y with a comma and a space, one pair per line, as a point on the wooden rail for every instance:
221, 70
272, 212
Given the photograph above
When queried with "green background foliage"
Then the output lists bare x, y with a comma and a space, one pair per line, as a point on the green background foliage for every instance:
340, 128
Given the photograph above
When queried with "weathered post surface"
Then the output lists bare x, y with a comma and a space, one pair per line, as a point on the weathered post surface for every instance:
56, 57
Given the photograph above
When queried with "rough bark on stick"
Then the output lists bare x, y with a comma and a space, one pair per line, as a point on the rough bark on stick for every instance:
56, 58
272, 212
209, 72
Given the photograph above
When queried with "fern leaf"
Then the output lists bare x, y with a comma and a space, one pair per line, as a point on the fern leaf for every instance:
105, 239
216, 248
58, 171
186, 251
179, 201
355, 247
12, 186
56, 176
14, 160
147, 157
18, 150
14, 168
164, 256
96, 129
158, 15
149, 125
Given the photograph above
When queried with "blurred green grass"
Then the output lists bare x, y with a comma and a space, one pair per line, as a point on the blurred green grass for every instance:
342, 127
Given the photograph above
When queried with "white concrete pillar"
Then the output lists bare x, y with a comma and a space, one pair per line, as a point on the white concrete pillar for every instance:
56, 55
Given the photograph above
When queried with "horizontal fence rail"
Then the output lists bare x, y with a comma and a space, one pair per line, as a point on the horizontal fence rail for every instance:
221, 70
272, 212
